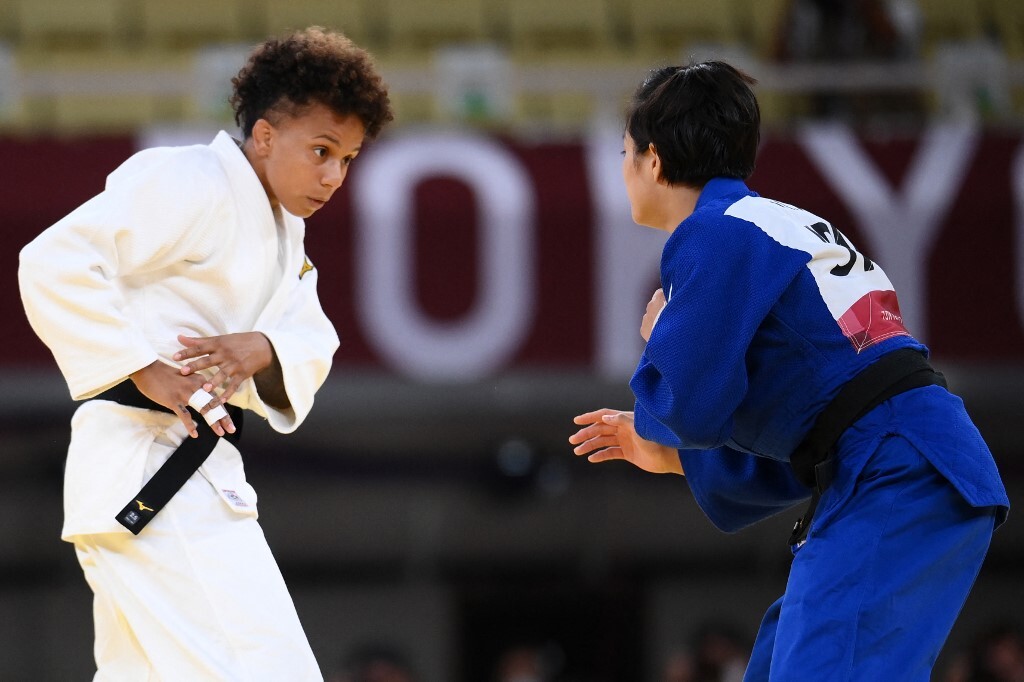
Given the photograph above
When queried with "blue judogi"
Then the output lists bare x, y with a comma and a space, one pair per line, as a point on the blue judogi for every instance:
770, 312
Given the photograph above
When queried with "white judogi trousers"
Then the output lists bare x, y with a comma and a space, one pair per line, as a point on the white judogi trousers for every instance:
196, 596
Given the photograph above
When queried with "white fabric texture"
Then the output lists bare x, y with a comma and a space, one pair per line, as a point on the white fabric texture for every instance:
183, 240
196, 596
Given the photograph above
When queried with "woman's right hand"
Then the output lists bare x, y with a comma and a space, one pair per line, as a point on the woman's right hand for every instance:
164, 384
610, 434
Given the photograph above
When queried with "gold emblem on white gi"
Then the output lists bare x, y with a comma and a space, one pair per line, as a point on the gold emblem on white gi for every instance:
200, 399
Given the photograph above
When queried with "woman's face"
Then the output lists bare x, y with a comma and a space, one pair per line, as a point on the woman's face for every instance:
304, 158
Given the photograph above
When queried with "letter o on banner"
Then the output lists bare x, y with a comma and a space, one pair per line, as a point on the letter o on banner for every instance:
384, 186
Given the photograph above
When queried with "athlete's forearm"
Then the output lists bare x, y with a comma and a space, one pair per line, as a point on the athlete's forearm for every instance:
270, 383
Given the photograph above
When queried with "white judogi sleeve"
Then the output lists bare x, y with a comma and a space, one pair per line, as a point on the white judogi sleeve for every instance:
146, 219
304, 341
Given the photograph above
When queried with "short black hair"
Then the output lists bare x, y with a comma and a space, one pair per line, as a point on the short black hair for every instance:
311, 66
703, 120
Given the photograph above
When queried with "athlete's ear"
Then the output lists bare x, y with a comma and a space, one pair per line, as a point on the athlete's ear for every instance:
654, 164
262, 136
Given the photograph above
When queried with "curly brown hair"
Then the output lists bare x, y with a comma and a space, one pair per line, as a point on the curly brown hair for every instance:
314, 65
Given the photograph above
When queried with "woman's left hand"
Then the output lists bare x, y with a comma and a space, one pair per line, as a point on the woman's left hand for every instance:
654, 308
236, 357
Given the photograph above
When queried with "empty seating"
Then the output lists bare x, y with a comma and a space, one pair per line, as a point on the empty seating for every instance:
1005, 20
189, 23
8, 21
110, 91
761, 24
350, 17
944, 21
670, 26
59, 24
416, 27
545, 28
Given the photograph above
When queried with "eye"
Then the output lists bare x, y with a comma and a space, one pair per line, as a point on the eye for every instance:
348, 160
320, 152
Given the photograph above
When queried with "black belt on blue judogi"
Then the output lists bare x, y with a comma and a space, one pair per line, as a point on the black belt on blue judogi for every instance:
813, 460
178, 468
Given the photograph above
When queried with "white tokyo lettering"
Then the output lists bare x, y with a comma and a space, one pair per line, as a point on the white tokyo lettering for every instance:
1017, 187
902, 227
487, 337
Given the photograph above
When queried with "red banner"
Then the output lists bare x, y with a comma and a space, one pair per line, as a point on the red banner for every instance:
455, 255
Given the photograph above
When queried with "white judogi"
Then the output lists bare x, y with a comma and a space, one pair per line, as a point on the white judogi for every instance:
182, 241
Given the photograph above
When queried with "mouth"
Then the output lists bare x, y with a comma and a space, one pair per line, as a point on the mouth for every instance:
317, 203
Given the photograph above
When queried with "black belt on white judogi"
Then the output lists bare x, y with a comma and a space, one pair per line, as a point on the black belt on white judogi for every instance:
813, 461
178, 468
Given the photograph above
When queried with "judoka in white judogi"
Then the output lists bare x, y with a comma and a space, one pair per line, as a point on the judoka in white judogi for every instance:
181, 241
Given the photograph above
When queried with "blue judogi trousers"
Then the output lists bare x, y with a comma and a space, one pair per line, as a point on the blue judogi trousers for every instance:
874, 592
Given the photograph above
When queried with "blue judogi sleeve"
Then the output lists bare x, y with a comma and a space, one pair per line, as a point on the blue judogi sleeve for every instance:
736, 489
721, 278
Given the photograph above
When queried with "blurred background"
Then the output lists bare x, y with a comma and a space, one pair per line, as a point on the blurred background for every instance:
487, 283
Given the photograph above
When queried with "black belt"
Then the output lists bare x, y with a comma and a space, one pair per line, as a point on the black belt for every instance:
178, 468
813, 460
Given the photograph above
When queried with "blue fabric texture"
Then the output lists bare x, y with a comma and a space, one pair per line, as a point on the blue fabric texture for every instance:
875, 591
747, 352
770, 312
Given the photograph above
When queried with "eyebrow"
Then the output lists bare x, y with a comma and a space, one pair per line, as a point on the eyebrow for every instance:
337, 143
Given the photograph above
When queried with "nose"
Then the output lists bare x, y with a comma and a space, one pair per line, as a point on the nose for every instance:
334, 175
